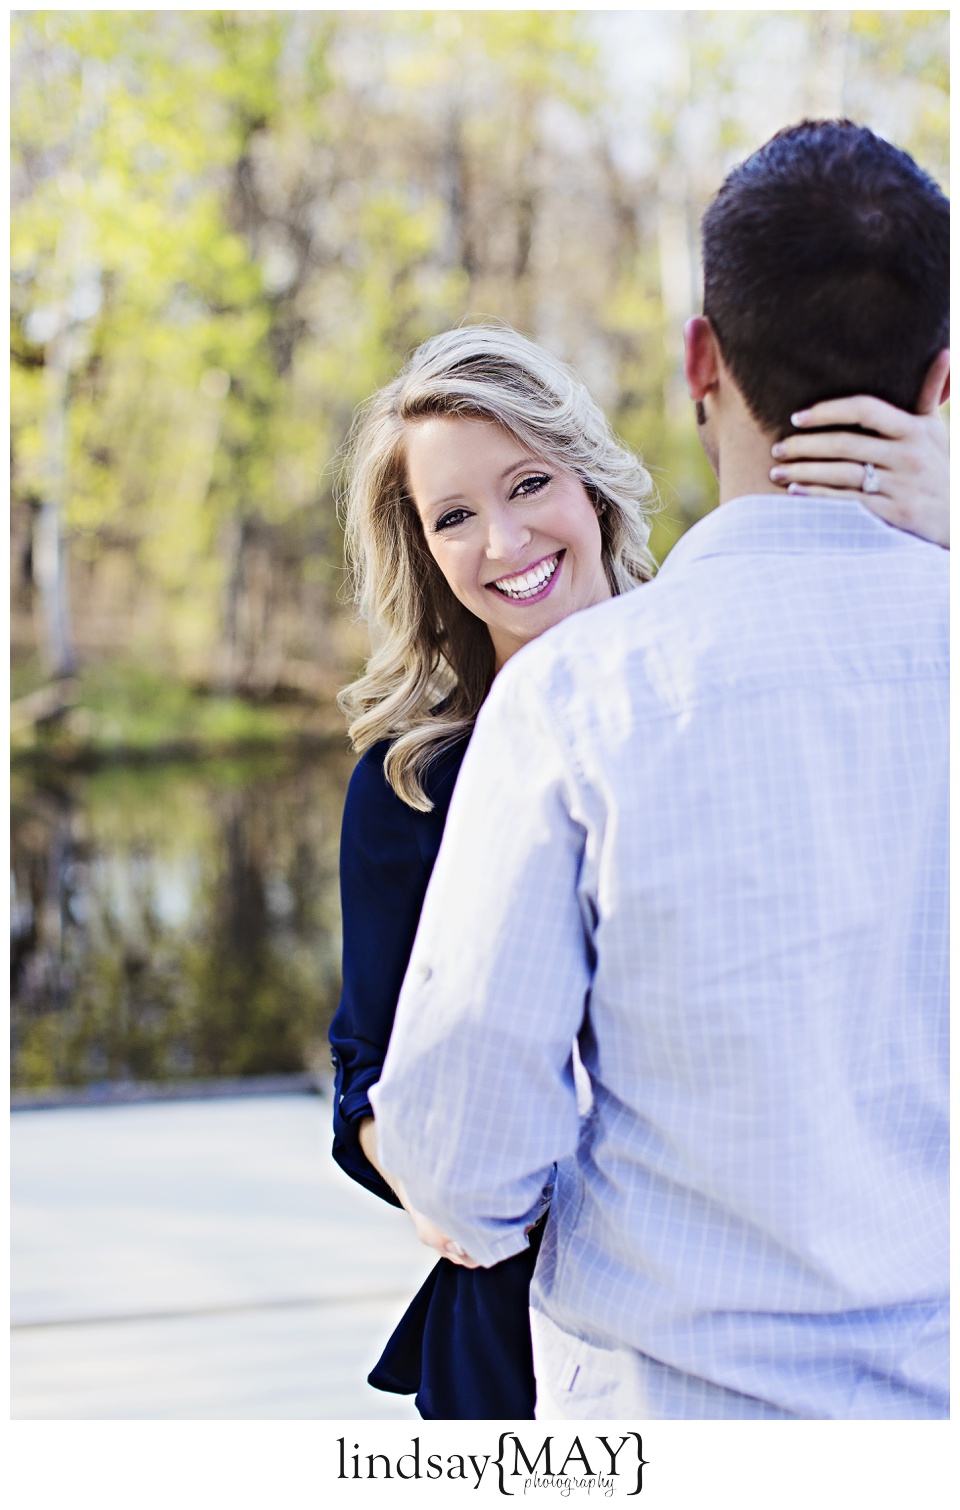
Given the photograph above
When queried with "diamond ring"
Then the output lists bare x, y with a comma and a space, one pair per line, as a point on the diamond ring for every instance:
871, 481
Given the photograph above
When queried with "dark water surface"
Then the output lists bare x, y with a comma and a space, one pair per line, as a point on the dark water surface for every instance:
175, 923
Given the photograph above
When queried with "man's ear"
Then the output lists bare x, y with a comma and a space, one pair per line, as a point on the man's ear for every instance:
936, 384
701, 356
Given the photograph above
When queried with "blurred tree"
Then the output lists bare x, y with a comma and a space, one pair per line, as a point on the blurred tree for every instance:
228, 227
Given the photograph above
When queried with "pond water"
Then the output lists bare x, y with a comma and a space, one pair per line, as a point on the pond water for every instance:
174, 923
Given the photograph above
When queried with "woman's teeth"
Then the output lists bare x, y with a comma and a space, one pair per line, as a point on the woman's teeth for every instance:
528, 583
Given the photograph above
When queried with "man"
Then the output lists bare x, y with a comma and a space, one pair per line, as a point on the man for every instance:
702, 829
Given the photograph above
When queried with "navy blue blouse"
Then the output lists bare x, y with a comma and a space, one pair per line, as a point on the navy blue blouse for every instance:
463, 1346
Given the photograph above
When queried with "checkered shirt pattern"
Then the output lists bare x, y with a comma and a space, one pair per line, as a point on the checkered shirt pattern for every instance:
702, 829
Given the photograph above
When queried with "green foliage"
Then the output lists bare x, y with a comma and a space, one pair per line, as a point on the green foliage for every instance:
256, 215
251, 217
127, 707
131, 705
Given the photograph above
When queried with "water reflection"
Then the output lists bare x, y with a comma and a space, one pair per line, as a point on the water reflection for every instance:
180, 922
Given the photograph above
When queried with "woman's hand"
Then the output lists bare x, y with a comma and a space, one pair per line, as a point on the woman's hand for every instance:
901, 473
427, 1232
431, 1235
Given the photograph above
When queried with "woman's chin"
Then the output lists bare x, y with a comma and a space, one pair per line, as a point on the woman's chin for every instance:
511, 632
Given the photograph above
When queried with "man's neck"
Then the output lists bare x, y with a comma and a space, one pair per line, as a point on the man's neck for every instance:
744, 462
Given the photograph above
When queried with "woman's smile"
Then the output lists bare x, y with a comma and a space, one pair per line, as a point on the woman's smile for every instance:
532, 584
516, 537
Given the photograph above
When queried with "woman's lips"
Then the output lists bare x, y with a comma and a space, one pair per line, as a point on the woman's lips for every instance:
532, 584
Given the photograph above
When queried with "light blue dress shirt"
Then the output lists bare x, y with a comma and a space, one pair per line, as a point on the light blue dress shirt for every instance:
703, 829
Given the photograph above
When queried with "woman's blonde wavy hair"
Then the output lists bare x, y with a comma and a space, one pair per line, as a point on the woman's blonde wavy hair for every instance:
433, 663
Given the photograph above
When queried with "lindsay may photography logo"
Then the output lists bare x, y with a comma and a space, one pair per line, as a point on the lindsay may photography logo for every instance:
593, 1464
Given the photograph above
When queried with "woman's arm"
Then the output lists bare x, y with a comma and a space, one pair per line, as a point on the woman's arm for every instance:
426, 1230
385, 863
901, 471
382, 881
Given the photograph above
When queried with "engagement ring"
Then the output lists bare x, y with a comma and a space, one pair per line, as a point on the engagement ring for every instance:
871, 482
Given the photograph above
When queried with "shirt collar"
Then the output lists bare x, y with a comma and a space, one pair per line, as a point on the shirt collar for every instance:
769, 523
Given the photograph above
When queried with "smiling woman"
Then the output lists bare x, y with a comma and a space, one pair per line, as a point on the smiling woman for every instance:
417, 503
516, 537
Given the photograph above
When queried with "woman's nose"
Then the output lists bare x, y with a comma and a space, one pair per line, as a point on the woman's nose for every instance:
507, 537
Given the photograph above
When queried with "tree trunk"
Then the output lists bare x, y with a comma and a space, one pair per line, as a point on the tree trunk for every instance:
49, 555
49, 552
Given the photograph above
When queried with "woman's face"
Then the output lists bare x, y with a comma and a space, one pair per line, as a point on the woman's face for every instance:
516, 537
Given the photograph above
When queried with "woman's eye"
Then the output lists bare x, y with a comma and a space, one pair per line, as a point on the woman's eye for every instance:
531, 484
453, 516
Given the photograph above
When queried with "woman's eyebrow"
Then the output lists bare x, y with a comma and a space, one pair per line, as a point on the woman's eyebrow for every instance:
525, 461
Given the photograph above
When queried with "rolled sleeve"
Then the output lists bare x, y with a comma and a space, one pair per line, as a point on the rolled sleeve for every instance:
477, 1098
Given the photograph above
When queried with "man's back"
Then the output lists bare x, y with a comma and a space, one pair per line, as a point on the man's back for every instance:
760, 741
704, 828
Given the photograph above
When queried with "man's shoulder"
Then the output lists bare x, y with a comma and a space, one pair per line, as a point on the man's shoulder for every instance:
756, 593
594, 658
594, 634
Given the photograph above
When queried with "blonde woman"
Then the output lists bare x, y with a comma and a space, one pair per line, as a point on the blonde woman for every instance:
488, 498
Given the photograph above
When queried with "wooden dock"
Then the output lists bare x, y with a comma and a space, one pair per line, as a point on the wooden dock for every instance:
200, 1260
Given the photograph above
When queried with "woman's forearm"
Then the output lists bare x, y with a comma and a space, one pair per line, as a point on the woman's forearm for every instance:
367, 1137
427, 1232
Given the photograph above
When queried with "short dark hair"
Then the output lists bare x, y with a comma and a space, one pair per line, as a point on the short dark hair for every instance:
826, 264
